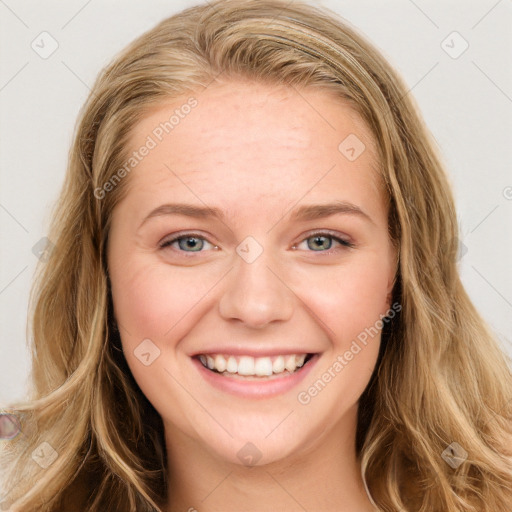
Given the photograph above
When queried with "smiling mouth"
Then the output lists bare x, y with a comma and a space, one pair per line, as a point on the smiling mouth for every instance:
248, 367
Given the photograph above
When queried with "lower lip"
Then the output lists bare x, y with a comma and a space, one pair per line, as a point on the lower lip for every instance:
255, 388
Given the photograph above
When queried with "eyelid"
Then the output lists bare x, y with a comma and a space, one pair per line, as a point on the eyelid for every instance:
186, 234
327, 232
344, 242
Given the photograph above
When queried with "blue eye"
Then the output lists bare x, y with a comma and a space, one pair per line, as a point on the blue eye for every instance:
188, 241
319, 243
193, 242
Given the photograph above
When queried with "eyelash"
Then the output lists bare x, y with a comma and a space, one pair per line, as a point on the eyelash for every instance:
345, 244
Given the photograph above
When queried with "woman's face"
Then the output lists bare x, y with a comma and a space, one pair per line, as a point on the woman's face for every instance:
273, 273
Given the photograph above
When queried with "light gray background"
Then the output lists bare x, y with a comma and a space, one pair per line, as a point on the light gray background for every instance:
466, 102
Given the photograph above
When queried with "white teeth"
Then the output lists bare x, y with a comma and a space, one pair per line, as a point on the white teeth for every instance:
278, 365
220, 363
263, 366
246, 366
290, 363
232, 366
253, 366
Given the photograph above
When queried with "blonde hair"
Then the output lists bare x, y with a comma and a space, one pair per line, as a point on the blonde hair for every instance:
441, 376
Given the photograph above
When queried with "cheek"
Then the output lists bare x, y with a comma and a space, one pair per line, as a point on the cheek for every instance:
154, 302
349, 299
152, 299
348, 308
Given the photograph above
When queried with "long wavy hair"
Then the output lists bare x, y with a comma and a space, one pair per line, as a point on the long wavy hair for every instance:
441, 377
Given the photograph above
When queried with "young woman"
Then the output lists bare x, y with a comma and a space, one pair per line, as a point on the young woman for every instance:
253, 302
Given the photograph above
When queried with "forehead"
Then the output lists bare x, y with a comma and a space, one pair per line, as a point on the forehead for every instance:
245, 141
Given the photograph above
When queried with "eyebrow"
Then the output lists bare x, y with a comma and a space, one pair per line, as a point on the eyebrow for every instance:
303, 213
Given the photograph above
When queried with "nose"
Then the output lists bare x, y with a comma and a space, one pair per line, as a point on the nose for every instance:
256, 293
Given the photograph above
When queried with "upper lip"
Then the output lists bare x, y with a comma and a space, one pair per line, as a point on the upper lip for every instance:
252, 352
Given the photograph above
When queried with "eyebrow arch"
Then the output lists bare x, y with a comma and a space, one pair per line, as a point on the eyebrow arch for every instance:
303, 213
320, 211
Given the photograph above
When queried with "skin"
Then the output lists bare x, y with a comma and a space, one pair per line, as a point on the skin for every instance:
257, 152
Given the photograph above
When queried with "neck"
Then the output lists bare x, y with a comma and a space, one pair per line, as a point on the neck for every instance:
324, 476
